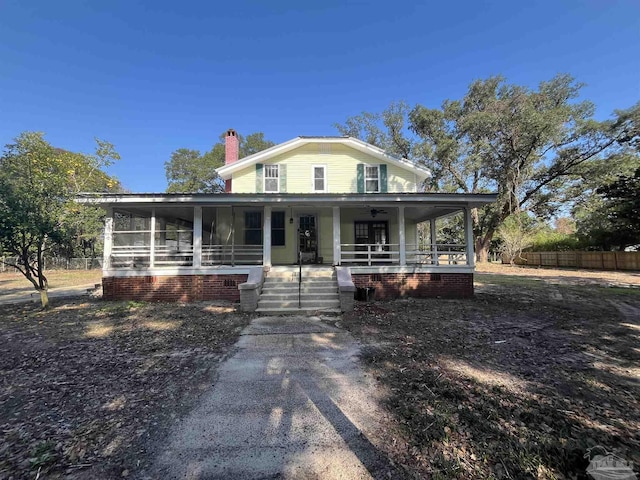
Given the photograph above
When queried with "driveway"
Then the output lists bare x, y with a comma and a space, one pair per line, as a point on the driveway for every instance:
292, 402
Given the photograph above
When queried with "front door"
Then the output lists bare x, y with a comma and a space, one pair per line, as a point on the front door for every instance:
308, 238
372, 237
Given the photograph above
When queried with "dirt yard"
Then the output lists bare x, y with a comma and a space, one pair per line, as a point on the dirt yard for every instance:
515, 383
518, 382
89, 386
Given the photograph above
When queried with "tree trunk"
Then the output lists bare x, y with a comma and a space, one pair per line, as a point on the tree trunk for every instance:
482, 247
44, 298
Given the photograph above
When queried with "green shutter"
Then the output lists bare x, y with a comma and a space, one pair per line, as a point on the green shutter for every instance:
259, 180
383, 178
283, 178
360, 178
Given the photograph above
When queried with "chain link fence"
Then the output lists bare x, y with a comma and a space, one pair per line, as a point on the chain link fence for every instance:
58, 263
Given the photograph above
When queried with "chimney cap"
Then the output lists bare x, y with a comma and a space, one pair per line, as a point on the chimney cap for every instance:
231, 133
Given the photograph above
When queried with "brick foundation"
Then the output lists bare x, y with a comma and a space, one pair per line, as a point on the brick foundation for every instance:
394, 285
183, 288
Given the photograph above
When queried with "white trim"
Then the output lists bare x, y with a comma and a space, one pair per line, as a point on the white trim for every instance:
197, 237
169, 272
313, 178
336, 235
226, 171
468, 230
152, 239
371, 165
402, 241
264, 178
125, 200
108, 240
411, 269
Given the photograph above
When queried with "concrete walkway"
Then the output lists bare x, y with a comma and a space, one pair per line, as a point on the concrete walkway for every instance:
292, 403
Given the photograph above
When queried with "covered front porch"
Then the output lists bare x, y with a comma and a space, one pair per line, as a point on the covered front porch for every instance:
202, 234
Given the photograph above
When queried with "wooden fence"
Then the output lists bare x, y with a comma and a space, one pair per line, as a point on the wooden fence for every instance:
576, 259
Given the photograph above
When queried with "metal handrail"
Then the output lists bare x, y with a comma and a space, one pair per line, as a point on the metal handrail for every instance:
300, 279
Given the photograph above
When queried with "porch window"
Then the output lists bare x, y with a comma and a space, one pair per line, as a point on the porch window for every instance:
253, 228
271, 178
319, 178
277, 229
372, 178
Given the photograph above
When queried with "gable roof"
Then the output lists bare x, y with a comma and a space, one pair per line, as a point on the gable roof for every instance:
226, 171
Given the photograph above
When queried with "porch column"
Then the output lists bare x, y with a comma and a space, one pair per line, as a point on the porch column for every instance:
197, 237
434, 245
152, 240
266, 236
336, 236
108, 240
401, 236
468, 233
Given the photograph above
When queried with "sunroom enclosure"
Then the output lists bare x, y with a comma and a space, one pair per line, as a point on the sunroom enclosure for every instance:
196, 239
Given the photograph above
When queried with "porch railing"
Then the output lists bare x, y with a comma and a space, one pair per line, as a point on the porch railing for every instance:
389, 254
438, 254
231, 255
137, 253
370, 253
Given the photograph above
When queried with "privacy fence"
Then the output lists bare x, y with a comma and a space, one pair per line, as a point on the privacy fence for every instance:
576, 259
58, 263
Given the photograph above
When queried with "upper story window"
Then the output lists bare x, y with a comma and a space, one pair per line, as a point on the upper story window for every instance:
319, 178
271, 178
372, 178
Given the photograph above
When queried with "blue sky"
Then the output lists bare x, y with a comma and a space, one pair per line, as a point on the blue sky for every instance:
155, 76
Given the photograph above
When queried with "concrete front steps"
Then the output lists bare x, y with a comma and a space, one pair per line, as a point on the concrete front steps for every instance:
319, 291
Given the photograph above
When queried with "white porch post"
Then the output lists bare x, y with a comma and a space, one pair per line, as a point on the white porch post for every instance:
266, 235
336, 236
401, 236
468, 232
434, 245
197, 237
108, 240
152, 240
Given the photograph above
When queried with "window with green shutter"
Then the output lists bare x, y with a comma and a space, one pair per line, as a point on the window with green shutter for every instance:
259, 178
360, 177
383, 178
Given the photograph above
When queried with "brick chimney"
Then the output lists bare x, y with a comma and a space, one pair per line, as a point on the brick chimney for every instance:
231, 152
231, 147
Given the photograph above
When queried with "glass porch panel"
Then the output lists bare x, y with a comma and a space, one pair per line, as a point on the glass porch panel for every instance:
232, 236
131, 239
173, 239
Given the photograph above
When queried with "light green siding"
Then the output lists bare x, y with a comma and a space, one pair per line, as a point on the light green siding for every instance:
341, 164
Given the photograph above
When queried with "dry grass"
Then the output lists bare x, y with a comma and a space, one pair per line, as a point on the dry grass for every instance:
517, 382
89, 387
563, 275
14, 281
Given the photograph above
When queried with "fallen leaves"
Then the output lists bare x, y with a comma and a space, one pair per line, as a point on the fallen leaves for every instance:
86, 385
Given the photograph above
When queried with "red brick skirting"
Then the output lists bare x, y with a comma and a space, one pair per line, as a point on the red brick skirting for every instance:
183, 288
394, 285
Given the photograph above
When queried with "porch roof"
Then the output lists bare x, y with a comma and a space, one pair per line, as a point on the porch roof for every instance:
329, 199
420, 205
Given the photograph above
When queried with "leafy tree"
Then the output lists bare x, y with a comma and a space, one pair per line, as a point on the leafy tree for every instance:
188, 171
515, 235
612, 219
532, 147
37, 186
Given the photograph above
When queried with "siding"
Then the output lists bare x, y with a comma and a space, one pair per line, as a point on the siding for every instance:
341, 171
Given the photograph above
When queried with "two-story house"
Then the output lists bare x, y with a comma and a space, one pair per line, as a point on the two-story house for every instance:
333, 209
